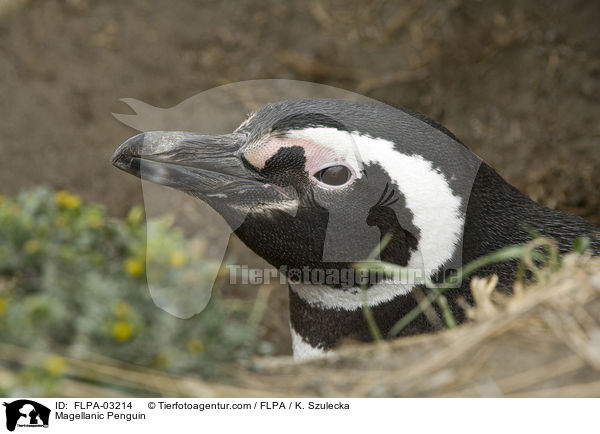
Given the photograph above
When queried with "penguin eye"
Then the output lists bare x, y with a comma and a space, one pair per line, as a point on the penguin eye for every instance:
333, 175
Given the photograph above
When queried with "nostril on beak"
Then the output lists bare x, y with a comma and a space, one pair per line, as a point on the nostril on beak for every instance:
124, 154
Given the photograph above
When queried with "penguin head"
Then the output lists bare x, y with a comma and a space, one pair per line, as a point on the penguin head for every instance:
319, 183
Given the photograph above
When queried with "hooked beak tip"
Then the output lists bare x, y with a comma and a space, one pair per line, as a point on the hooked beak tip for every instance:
127, 153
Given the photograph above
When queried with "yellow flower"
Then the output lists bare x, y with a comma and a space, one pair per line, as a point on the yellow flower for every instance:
134, 266
135, 216
32, 246
3, 304
67, 200
55, 365
195, 346
121, 309
122, 330
178, 259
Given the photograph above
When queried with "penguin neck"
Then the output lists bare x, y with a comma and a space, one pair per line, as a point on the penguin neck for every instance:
499, 215
318, 325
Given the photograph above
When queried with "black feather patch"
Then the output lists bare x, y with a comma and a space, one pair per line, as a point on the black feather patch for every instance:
287, 167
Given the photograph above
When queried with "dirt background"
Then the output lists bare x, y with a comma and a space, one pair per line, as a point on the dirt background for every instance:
518, 82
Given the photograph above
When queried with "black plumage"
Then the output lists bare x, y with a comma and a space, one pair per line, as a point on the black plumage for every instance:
269, 191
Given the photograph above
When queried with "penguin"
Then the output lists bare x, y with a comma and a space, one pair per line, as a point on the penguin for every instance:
315, 185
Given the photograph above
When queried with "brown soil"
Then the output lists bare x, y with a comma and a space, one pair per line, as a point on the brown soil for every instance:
518, 82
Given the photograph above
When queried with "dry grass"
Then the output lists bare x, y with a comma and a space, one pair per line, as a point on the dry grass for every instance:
104, 377
544, 341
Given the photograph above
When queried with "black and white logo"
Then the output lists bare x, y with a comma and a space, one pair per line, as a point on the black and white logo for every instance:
26, 413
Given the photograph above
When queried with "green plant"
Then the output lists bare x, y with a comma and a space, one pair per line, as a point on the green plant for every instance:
529, 256
73, 282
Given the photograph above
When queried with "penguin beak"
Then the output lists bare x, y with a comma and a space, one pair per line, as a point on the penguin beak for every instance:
201, 165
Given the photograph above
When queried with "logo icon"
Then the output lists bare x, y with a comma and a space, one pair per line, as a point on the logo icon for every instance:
26, 413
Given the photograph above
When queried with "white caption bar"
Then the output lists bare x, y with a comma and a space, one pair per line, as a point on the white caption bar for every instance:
294, 415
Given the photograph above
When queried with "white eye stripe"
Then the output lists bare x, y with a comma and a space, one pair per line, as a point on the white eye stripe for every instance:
258, 153
322, 147
436, 209
339, 144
